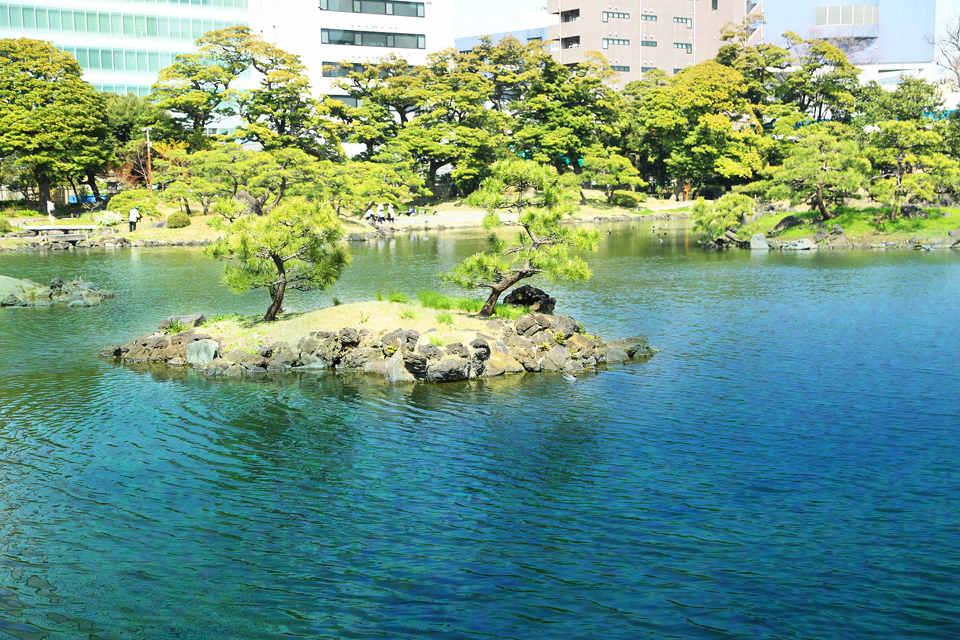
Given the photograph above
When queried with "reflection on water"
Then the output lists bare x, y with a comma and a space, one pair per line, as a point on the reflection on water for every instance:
785, 467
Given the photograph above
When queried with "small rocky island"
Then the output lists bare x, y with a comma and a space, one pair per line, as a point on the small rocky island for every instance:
74, 293
534, 342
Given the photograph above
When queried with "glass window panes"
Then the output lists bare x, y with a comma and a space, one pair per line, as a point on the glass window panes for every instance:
53, 18
649, 18
833, 14
846, 14
128, 26
130, 61
79, 21
92, 22
152, 27
42, 22
82, 58
141, 26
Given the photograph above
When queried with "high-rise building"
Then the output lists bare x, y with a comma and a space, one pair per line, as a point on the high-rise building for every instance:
123, 44
640, 36
325, 32
888, 39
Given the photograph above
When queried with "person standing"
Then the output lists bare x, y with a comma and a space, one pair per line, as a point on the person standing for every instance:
380, 213
390, 213
51, 210
134, 216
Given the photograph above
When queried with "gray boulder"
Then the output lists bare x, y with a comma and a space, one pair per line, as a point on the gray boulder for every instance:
190, 321
803, 244
283, 357
457, 349
556, 358
759, 243
397, 370
450, 369
837, 239
202, 351
527, 296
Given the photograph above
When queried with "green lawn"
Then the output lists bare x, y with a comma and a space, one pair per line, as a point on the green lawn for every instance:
860, 222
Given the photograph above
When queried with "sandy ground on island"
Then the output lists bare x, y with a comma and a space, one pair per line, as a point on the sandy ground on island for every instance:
248, 333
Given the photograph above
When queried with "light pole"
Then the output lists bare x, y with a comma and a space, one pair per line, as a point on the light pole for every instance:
149, 168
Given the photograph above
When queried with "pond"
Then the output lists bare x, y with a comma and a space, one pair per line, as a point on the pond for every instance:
787, 466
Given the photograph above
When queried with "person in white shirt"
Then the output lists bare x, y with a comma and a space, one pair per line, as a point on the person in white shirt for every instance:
134, 216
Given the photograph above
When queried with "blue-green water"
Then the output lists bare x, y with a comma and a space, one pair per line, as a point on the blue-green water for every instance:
787, 467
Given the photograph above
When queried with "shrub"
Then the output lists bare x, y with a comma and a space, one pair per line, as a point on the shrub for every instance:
444, 317
178, 220
394, 296
714, 218
126, 200
408, 314
108, 218
176, 327
12, 212
627, 199
434, 300
5, 226
558, 338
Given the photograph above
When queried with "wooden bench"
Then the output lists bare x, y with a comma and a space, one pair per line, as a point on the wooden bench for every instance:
72, 233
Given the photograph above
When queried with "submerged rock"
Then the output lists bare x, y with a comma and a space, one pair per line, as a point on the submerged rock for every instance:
26, 293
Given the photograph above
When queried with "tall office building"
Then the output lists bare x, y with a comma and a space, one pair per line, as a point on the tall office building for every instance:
642, 35
888, 39
325, 32
121, 44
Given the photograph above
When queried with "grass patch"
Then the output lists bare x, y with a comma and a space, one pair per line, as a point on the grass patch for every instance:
434, 300
398, 297
407, 314
444, 317
437, 341
863, 222
220, 317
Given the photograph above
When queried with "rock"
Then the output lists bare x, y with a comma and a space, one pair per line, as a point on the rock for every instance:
190, 321
613, 353
500, 361
431, 351
787, 223
803, 244
955, 234
283, 358
837, 239
450, 369
566, 326
636, 347
358, 359
159, 224
527, 296
913, 212
112, 351
821, 235
457, 349
481, 349
556, 358
202, 351
397, 371
349, 337
759, 243
177, 362
416, 364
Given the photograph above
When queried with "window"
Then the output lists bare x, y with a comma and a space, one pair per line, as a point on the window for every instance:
648, 17
347, 100
620, 68
683, 45
616, 41
851, 14
645, 69
686, 21
375, 7
337, 70
373, 39
676, 71
615, 14
648, 43
713, 5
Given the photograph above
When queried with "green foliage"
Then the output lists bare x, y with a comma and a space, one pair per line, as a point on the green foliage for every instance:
336, 301
125, 200
379, 296
436, 340
176, 327
510, 312
869, 220
545, 246
913, 99
444, 317
389, 350
395, 296
611, 173
178, 220
627, 199
51, 121
408, 314
221, 317
434, 300
108, 218
559, 338
5, 226
296, 245
909, 164
822, 169
714, 219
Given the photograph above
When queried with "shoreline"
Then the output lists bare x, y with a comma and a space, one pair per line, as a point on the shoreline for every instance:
427, 346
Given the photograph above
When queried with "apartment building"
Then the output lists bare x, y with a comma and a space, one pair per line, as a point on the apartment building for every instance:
123, 44
641, 35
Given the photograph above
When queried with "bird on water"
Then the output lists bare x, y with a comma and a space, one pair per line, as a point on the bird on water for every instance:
572, 377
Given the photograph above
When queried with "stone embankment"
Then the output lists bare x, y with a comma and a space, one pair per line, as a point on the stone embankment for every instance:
102, 241
836, 238
26, 293
535, 342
